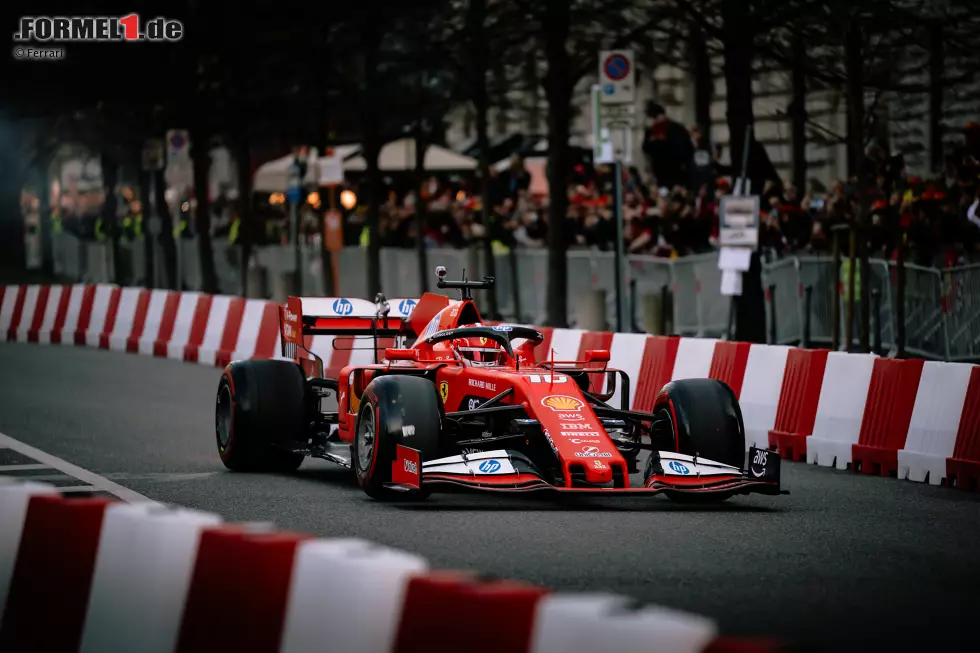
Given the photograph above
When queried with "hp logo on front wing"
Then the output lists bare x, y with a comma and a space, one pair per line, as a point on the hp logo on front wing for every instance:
489, 466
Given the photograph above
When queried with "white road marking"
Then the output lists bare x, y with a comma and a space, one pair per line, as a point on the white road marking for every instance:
97, 482
22, 468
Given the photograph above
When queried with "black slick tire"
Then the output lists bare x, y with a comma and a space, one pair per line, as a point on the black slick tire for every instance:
396, 410
706, 422
260, 413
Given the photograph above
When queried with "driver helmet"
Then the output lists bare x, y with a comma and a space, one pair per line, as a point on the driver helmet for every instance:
480, 351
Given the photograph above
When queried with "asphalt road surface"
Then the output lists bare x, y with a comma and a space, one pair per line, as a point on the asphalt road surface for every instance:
845, 562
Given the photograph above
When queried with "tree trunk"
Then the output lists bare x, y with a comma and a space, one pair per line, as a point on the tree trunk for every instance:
798, 113
146, 202
12, 252
166, 223
421, 146
854, 66
704, 81
479, 55
201, 157
110, 174
44, 210
936, 66
371, 134
558, 91
372, 149
248, 225
737, 32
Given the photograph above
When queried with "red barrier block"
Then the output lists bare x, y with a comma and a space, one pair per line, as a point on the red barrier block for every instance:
798, 399
659, 355
963, 469
595, 340
40, 309
454, 611
16, 316
241, 580
728, 364
887, 414
50, 585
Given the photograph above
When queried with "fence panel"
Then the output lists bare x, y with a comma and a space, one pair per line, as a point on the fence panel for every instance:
942, 307
961, 304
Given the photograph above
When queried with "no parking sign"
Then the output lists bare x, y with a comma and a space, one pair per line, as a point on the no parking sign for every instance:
616, 73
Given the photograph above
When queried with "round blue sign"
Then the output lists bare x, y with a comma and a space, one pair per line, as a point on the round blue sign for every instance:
177, 141
343, 307
489, 466
406, 305
616, 67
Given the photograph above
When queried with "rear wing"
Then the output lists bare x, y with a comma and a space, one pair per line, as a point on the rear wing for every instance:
353, 319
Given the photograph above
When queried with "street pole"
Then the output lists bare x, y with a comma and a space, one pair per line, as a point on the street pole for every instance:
620, 248
149, 267
297, 255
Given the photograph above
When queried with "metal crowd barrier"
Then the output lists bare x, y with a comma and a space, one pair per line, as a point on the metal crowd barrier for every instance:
679, 296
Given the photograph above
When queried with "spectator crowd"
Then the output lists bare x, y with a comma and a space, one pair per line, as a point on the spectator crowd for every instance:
673, 210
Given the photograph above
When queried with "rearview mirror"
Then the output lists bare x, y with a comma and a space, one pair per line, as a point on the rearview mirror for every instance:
597, 356
399, 354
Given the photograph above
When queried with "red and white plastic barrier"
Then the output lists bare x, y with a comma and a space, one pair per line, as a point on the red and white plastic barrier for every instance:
96, 575
830, 408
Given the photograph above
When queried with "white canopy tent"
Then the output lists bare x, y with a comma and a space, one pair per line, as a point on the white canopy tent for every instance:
399, 156
271, 176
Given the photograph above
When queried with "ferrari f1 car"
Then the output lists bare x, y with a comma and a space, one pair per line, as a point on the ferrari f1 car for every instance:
476, 406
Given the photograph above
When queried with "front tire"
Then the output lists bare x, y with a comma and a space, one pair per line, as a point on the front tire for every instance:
394, 410
706, 422
260, 412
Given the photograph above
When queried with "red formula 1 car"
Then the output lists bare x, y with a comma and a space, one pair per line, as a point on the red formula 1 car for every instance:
471, 405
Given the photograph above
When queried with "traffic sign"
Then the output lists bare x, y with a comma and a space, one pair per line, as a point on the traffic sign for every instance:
616, 75
739, 220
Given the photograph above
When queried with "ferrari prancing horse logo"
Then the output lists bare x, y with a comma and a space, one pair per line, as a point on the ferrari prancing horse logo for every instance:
483, 341
444, 391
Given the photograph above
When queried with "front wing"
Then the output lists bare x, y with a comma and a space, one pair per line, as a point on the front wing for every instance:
510, 471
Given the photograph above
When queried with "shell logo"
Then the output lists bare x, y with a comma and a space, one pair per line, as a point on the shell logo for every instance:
562, 403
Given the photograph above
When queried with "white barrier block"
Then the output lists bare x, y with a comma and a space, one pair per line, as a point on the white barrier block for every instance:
142, 573
761, 386
27, 312
935, 421
7, 309
693, 358
583, 623
154, 317
843, 394
125, 315
626, 354
50, 314
72, 314
14, 498
181, 335
566, 343
215, 329
347, 592
248, 335
322, 346
100, 307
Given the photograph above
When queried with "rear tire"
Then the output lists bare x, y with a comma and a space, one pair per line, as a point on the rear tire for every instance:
707, 422
259, 414
388, 404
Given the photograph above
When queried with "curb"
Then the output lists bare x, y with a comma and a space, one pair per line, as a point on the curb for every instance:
156, 579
